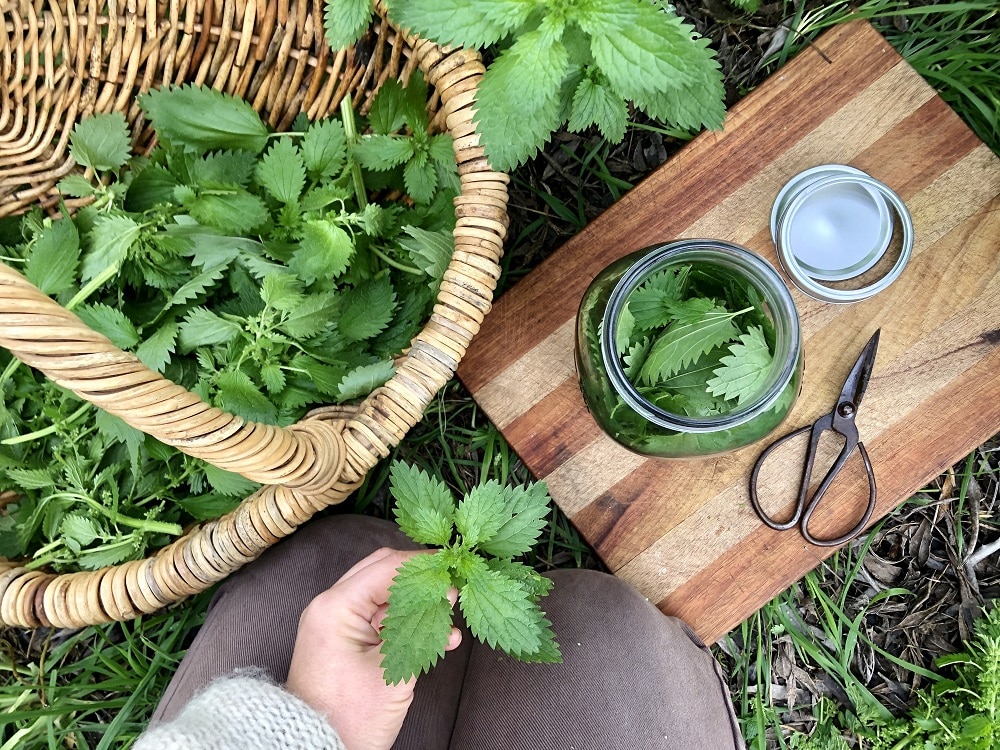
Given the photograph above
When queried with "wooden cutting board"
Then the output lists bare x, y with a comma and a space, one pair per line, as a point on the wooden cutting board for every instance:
683, 532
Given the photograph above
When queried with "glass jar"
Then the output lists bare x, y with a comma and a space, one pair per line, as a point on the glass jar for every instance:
680, 416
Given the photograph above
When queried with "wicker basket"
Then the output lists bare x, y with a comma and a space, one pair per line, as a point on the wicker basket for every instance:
64, 60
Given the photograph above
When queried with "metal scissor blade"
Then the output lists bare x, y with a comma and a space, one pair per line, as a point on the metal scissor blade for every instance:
857, 380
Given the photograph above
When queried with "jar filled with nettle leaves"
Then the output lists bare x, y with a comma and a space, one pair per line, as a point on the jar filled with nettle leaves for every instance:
688, 348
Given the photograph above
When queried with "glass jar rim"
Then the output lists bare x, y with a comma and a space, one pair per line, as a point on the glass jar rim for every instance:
765, 280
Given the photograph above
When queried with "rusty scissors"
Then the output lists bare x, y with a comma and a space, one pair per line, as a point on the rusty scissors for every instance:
841, 422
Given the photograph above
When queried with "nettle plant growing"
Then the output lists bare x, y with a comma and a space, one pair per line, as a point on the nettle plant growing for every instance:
478, 539
574, 62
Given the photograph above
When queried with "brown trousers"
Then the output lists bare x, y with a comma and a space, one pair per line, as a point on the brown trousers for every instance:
631, 677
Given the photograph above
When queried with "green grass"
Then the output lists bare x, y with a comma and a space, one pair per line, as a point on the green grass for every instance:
97, 688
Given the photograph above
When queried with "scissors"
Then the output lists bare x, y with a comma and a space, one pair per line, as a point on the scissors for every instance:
841, 422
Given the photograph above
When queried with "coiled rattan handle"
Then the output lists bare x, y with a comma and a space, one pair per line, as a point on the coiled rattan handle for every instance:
273, 54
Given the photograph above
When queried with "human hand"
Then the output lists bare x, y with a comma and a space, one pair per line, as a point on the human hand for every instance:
336, 662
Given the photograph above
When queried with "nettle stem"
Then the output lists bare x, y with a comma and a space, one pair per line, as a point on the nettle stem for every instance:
45, 430
351, 131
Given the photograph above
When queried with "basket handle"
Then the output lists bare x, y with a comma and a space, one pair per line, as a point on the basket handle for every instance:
46, 336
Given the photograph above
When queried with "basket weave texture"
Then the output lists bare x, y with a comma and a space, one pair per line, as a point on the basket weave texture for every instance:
62, 61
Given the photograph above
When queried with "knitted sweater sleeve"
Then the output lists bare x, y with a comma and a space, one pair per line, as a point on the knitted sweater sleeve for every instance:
241, 712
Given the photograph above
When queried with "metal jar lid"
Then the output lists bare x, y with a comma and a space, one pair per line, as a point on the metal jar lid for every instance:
833, 223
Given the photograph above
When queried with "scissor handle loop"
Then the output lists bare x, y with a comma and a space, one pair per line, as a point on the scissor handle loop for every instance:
859, 527
800, 502
803, 511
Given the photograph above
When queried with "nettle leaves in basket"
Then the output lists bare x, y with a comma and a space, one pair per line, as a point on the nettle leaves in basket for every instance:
577, 62
252, 268
478, 537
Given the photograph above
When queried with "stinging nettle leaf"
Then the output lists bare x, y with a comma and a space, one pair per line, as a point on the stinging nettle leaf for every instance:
157, 347
282, 171
54, 256
460, 23
500, 611
111, 323
109, 242
233, 210
367, 309
344, 21
200, 119
387, 113
324, 148
101, 141
430, 251
526, 510
595, 103
76, 185
202, 327
364, 379
420, 177
481, 513
418, 621
682, 343
513, 128
239, 395
745, 371
382, 152
425, 507
323, 253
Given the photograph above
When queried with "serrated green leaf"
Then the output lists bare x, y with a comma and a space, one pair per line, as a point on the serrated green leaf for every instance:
604, 17
202, 327
500, 611
108, 554
594, 103
463, 24
430, 251
231, 210
101, 141
239, 395
282, 171
534, 583
201, 119
418, 621
53, 257
30, 479
344, 21
525, 510
209, 507
514, 127
425, 507
624, 329
273, 378
108, 242
197, 286
743, 372
324, 251
232, 167
682, 343
157, 347
311, 318
382, 152
481, 513
750, 6
367, 309
282, 291
647, 55
76, 185
152, 186
441, 149
324, 149
111, 323
650, 303
78, 531
364, 379
326, 378
420, 177
635, 356
387, 113
228, 483
695, 104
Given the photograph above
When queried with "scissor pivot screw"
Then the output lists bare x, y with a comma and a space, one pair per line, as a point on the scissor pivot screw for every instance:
845, 409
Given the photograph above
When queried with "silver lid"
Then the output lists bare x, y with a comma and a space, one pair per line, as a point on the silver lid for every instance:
833, 223
839, 233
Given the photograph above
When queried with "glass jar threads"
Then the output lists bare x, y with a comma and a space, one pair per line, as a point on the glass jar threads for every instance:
688, 348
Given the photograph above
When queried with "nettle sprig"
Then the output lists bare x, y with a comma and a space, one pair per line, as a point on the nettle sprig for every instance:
574, 62
478, 537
